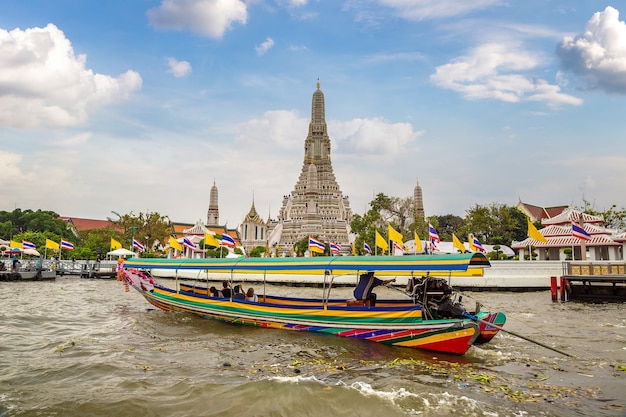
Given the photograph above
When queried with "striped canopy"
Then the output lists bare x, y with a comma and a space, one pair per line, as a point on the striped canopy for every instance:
471, 264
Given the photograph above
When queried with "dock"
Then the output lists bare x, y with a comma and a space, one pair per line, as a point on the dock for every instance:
593, 282
88, 269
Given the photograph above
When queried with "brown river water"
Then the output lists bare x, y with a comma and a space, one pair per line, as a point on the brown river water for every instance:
80, 347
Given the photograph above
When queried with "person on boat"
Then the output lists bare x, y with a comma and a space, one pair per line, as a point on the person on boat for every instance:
367, 282
214, 292
15, 265
226, 290
239, 294
251, 296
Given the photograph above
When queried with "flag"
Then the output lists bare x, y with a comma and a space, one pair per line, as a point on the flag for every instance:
67, 245
188, 243
335, 247
174, 244
354, 249
227, 240
418, 244
457, 243
51, 244
115, 244
367, 248
14, 244
381, 242
475, 245
535, 234
137, 245
579, 232
316, 246
394, 234
433, 236
28, 245
398, 246
210, 240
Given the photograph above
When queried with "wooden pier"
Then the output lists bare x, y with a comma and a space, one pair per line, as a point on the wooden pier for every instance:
88, 269
594, 282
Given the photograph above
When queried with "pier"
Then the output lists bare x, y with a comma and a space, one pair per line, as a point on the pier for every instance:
594, 282
87, 269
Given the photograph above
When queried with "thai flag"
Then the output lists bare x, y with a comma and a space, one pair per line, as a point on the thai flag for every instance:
28, 245
335, 247
433, 235
188, 243
67, 245
579, 232
398, 246
315, 245
367, 248
476, 244
227, 240
137, 245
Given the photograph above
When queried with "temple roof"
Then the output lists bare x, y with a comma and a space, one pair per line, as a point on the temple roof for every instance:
568, 215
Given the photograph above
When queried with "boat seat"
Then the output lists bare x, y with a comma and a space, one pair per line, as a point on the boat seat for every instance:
358, 303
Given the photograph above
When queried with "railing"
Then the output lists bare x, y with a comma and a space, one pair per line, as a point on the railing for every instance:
596, 268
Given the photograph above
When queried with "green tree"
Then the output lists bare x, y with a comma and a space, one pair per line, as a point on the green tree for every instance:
495, 224
614, 218
18, 221
149, 228
448, 224
257, 252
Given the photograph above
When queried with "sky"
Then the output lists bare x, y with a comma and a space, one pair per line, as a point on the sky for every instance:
141, 106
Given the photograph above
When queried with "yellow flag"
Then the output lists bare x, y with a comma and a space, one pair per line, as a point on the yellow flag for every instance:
354, 250
381, 242
14, 244
51, 244
115, 244
174, 244
210, 240
533, 233
457, 243
394, 234
418, 244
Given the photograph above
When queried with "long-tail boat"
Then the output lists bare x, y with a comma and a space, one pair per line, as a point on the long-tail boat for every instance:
428, 316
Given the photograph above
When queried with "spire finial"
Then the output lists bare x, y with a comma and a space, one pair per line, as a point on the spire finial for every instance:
318, 83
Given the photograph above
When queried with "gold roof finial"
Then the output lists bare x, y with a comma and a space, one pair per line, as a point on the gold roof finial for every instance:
318, 83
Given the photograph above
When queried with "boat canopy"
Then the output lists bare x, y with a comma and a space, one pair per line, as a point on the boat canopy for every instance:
467, 264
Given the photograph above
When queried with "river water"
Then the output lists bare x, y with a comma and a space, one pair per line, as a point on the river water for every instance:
79, 347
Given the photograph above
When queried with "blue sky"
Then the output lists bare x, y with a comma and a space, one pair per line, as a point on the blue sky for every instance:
140, 105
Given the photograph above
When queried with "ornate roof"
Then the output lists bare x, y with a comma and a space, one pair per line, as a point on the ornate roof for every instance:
253, 216
568, 215
560, 235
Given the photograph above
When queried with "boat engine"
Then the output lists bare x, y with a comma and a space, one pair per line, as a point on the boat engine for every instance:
435, 296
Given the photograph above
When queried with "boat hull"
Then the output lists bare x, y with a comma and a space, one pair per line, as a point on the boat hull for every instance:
400, 325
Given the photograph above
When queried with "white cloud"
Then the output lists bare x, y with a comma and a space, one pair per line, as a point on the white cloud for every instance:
178, 69
264, 47
376, 136
493, 71
598, 55
433, 9
43, 84
281, 129
211, 18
